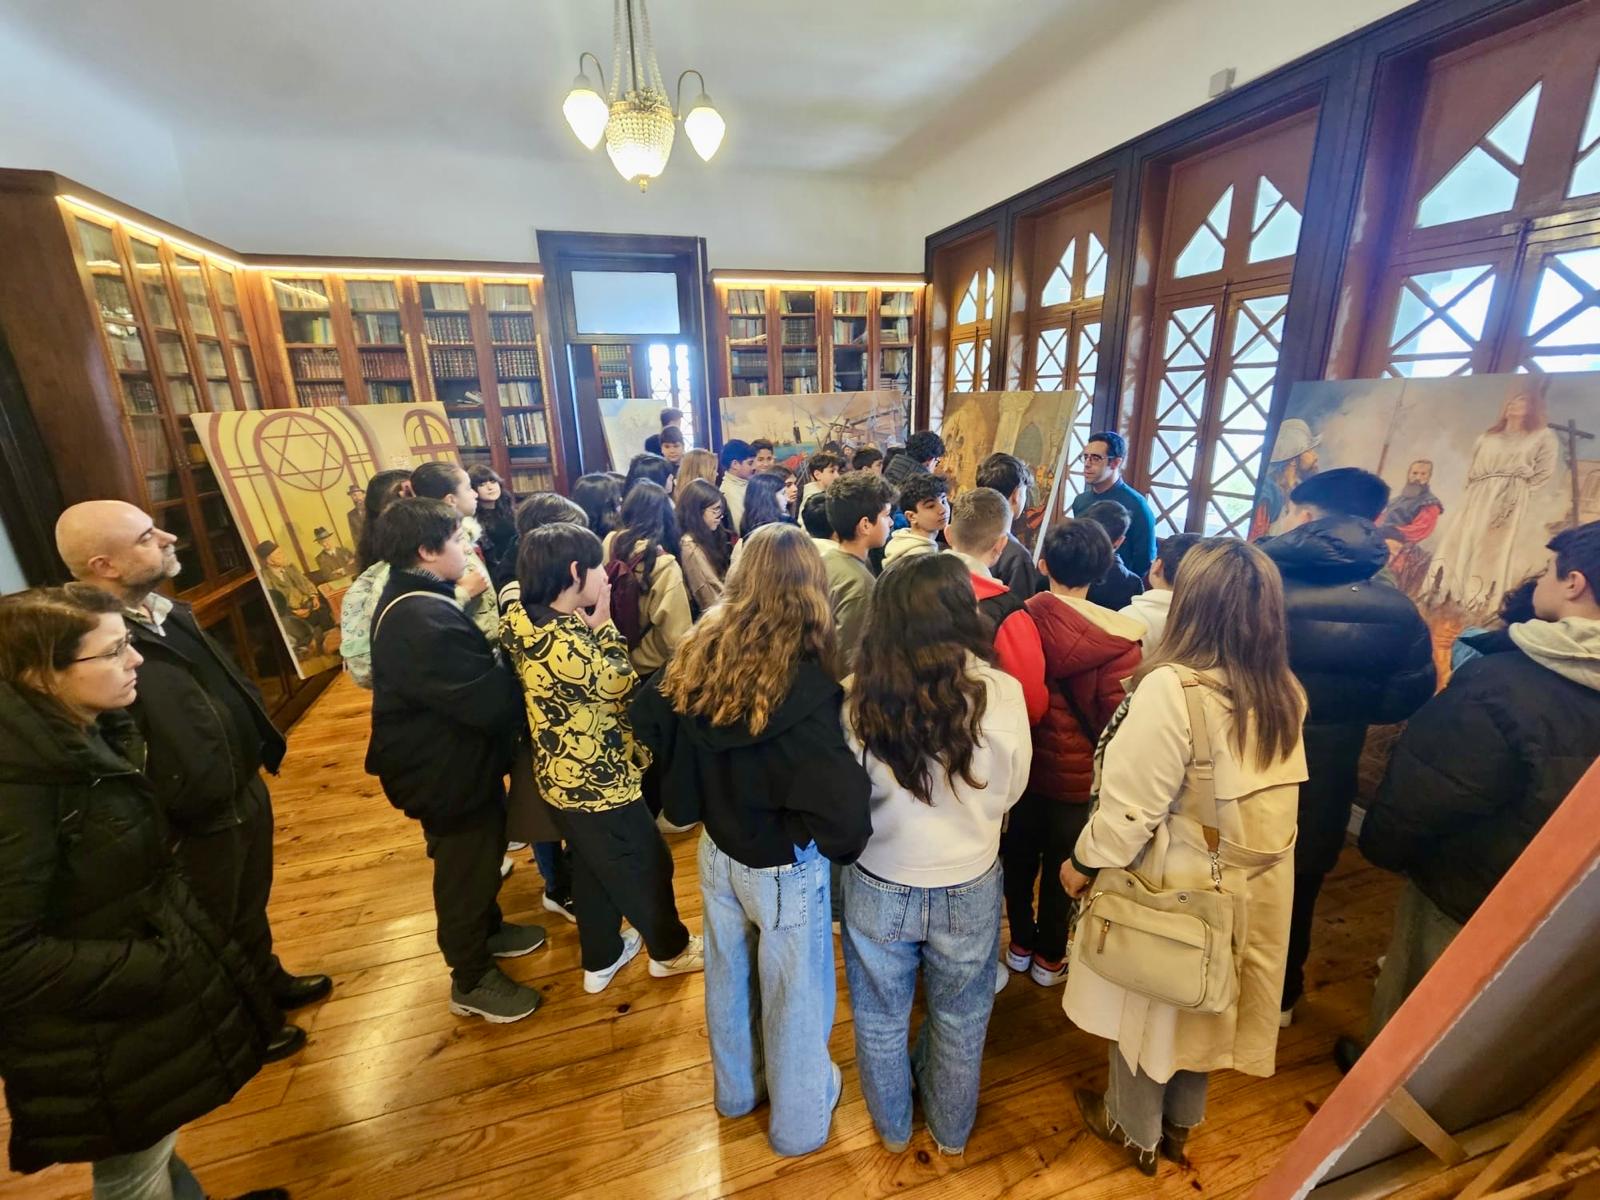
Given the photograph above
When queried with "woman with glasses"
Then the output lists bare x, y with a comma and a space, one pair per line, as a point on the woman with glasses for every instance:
124, 1012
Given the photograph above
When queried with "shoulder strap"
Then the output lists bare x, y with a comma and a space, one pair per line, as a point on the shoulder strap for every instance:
376, 625
1202, 784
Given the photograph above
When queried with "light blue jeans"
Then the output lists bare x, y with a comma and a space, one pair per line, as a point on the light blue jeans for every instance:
153, 1174
770, 992
953, 935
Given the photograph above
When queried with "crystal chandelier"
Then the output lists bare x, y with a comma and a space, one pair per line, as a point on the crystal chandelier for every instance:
637, 122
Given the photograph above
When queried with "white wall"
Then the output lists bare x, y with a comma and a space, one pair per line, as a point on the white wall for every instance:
428, 201
11, 577
1148, 63
56, 116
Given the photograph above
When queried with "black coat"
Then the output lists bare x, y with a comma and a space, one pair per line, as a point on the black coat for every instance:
124, 1012
762, 794
1118, 588
1478, 772
197, 780
1364, 656
446, 711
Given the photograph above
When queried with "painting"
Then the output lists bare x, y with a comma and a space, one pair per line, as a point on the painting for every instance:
800, 424
626, 422
295, 480
1483, 471
1031, 425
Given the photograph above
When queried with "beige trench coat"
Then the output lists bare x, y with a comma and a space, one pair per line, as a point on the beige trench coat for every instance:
1141, 777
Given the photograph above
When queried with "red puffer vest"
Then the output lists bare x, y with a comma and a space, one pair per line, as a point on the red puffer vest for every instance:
1084, 667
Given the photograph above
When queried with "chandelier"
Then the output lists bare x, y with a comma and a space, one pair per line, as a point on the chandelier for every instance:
637, 122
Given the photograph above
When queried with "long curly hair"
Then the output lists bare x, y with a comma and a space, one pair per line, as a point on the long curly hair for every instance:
739, 663
915, 703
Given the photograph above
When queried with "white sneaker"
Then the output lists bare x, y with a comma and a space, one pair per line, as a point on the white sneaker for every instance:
1045, 976
513, 847
1286, 1018
691, 960
506, 865
596, 981
564, 911
1018, 962
1001, 978
667, 826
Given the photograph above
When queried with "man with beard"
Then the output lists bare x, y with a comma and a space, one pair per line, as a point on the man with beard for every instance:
208, 737
1409, 521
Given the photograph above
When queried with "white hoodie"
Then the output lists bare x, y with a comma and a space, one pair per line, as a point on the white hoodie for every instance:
1150, 609
1570, 647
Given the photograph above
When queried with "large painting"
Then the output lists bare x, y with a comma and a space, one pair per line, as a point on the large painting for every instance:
1031, 425
626, 422
800, 424
1483, 469
294, 480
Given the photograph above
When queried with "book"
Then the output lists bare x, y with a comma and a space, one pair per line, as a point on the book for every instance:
521, 393
389, 393
385, 364
516, 364
511, 327
744, 301
469, 431
507, 297
849, 304
454, 363
447, 329
849, 332
451, 297
800, 331
320, 395
315, 364
371, 295
299, 294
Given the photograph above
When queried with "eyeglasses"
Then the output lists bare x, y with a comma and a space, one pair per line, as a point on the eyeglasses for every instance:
115, 654
1089, 457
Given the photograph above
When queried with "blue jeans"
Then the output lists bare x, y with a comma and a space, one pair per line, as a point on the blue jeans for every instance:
153, 1174
953, 935
555, 868
770, 992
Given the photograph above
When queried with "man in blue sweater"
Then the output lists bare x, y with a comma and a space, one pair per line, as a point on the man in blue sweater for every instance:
1102, 477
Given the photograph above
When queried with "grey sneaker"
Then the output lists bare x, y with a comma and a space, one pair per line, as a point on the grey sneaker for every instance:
496, 997
692, 959
513, 941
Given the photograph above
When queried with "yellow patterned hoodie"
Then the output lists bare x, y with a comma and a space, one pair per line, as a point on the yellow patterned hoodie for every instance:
577, 682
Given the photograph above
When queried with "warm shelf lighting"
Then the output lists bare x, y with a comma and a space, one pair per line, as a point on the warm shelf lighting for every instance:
153, 233
887, 285
638, 123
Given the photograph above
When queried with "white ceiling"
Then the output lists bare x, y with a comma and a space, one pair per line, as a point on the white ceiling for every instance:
821, 85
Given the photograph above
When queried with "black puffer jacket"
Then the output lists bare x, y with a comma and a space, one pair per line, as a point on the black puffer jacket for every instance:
1480, 769
124, 1012
1362, 652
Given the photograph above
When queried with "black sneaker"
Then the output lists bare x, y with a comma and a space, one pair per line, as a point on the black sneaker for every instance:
562, 906
496, 997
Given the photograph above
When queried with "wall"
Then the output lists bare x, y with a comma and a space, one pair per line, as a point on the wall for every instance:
1148, 62
429, 201
56, 116
11, 577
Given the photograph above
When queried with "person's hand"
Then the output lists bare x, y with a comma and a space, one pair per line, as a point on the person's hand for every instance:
601, 612
1075, 881
473, 583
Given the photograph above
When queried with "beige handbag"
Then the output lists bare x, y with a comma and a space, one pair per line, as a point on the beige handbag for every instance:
1172, 946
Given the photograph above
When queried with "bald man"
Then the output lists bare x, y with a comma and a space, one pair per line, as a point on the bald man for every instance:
208, 736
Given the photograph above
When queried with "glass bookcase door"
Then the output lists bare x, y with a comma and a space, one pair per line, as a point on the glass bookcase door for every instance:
233, 328
797, 318
897, 316
305, 314
851, 338
380, 340
518, 376
197, 303
453, 363
749, 372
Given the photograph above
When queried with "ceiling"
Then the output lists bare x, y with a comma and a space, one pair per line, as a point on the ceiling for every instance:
842, 86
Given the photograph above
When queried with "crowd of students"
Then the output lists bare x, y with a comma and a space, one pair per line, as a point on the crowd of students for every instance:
885, 715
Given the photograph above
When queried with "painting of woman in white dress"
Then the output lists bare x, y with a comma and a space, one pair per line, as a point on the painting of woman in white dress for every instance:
1481, 556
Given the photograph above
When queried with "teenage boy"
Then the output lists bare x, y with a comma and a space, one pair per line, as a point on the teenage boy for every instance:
738, 465
822, 468
858, 509
577, 678
980, 528
1010, 476
445, 712
923, 451
925, 501
814, 518
669, 418
448, 482
1117, 590
868, 458
1102, 477
1150, 608
1089, 652
1364, 656
766, 455
672, 446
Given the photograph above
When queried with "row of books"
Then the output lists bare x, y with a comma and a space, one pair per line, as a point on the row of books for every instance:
469, 431
511, 327
389, 393
378, 328
292, 294
528, 479
320, 395
750, 387
316, 364
850, 304
516, 364
799, 362
846, 333
448, 329
897, 304
372, 295
507, 297
454, 363
525, 429
895, 331
452, 297
799, 333
797, 302
747, 302
519, 393
385, 364
747, 331
140, 395
307, 328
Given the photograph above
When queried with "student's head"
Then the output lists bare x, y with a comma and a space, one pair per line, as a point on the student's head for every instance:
1076, 554
1170, 554
670, 418
67, 650
1103, 456
420, 532
925, 447
700, 510
925, 500
646, 468
1008, 475
765, 501
814, 516
383, 489
647, 516
915, 703
600, 497
737, 665
765, 454
738, 459
1570, 585
448, 482
672, 445
546, 508
1111, 517
560, 561
1227, 619
980, 524
490, 487
859, 510
1341, 492
697, 464
823, 467
868, 458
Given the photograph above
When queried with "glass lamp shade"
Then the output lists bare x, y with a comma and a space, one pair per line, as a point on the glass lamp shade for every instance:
705, 127
585, 111
639, 136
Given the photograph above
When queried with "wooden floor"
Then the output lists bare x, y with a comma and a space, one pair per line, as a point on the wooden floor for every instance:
610, 1095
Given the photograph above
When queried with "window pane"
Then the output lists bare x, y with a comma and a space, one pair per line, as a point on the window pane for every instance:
1180, 402
1440, 316
988, 294
1242, 421
1204, 252
625, 302
1083, 380
1050, 360
1058, 288
1485, 180
1275, 231
965, 358
1564, 327
660, 373
967, 309
1094, 282
1586, 172
685, 394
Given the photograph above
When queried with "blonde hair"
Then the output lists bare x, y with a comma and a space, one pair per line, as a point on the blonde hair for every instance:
1228, 615
696, 464
739, 662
